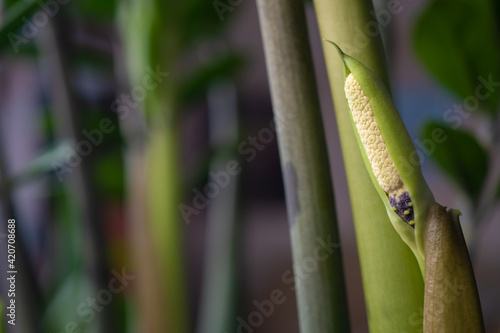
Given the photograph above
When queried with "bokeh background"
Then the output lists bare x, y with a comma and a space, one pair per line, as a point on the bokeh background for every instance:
66, 77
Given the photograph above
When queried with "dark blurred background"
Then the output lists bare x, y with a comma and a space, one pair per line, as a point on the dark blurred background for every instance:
60, 210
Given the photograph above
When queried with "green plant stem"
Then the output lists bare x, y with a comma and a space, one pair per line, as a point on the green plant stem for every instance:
150, 39
392, 281
148, 300
321, 295
218, 308
163, 170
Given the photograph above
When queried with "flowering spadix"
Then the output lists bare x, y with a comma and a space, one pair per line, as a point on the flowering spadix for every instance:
388, 152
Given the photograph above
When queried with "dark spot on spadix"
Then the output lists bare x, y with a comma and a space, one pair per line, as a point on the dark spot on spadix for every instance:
403, 207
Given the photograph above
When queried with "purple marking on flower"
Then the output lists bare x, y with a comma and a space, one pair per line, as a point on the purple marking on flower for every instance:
402, 204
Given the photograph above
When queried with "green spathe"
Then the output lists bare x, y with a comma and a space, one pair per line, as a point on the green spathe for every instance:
401, 150
451, 302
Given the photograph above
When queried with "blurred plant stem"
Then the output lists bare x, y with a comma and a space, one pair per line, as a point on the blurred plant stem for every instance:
28, 297
393, 294
154, 175
163, 193
218, 308
55, 50
321, 296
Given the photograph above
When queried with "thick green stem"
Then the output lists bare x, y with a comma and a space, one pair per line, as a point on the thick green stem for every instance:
309, 195
163, 195
392, 281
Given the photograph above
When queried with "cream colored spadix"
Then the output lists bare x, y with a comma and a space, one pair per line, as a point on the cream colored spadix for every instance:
388, 153
381, 162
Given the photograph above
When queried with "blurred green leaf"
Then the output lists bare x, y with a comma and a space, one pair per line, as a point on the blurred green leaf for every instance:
195, 86
85, 56
460, 156
91, 119
63, 305
41, 165
11, 38
96, 9
66, 236
200, 176
458, 42
109, 175
200, 20
8, 3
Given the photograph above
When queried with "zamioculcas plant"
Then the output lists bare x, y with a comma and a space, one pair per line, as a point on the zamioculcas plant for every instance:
451, 302
394, 296
386, 149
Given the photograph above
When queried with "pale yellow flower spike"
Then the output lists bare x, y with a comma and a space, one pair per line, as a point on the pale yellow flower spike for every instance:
383, 167
387, 151
376, 150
